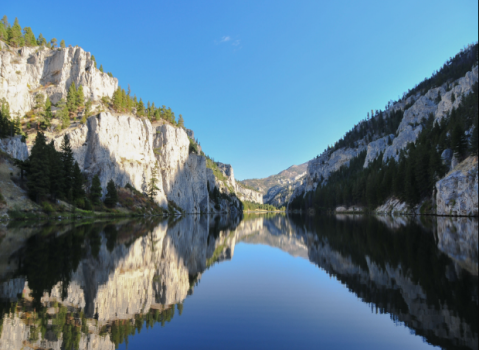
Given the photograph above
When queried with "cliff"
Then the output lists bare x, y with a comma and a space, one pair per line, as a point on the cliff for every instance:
28, 71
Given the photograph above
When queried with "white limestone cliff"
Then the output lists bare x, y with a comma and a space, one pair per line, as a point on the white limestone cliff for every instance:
27, 71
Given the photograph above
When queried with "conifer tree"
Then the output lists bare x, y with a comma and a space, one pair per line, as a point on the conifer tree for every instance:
67, 161
101, 68
86, 112
5, 22
41, 41
29, 37
95, 190
181, 122
3, 32
38, 170
15, 37
53, 43
78, 181
152, 188
458, 142
56, 172
473, 142
93, 60
48, 110
63, 114
62, 44
80, 97
72, 98
140, 108
111, 196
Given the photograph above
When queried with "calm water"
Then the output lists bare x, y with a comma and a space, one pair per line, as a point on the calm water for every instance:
260, 282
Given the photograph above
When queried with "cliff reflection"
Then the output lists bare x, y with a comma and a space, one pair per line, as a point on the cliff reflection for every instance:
93, 285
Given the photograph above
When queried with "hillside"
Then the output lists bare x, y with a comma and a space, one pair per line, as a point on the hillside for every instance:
276, 189
419, 155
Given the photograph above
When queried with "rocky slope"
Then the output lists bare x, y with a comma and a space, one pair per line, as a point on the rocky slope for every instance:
277, 189
417, 108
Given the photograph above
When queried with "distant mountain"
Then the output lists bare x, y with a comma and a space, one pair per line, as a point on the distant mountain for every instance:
277, 189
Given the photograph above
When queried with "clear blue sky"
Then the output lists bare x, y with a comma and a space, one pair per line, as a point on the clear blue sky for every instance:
264, 84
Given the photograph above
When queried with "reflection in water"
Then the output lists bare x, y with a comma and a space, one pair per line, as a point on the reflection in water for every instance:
93, 285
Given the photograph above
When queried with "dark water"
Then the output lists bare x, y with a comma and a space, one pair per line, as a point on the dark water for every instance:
259, 282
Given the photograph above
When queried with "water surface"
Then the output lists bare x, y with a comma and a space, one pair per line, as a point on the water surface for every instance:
259, 282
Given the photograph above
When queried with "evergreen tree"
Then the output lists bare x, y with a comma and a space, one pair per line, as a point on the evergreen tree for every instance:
140, 108
93, 60
67, 161
473, 142
3, 32
152, 188
29, 37
62, 114
181, 122
101, 68
53, 43
48, 110
15, 37
80, 97
41, 41
5, 22
72, 98
78, 181
95, 190
86, 112
57, 184
458, 142
111, 196
38, 170
62, 44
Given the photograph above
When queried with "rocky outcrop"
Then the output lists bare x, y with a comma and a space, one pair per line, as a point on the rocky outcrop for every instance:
28, 71
457, 192
128, 149
375, 148
408, 135
14, 147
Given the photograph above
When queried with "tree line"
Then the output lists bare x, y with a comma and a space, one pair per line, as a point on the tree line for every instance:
53, 175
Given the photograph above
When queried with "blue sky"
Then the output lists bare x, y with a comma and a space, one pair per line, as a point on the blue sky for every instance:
264, 84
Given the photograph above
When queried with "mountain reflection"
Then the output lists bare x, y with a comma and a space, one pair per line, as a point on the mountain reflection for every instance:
93, 285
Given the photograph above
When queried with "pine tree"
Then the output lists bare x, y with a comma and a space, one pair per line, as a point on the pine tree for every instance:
140, 108
29, 37
5, 22
111, 196
458, 142
15, 37
63, 114
62, 44
41, 41
56, 172
48, 110
181, 122
38, 170
72, 98
3, 32
86, 112
101, 68
93, 60
152, 188
78, 181
53, 43
67, 161
80, 97
95, 190
473, 142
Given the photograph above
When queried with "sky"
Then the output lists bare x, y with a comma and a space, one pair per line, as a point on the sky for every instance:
263, 84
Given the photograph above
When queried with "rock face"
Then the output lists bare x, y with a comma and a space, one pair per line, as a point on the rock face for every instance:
457, 191
28, 71
408, 135
377, 147
14, 147
127, 149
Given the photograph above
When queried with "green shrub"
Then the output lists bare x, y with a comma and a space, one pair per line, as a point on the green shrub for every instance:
47, 207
